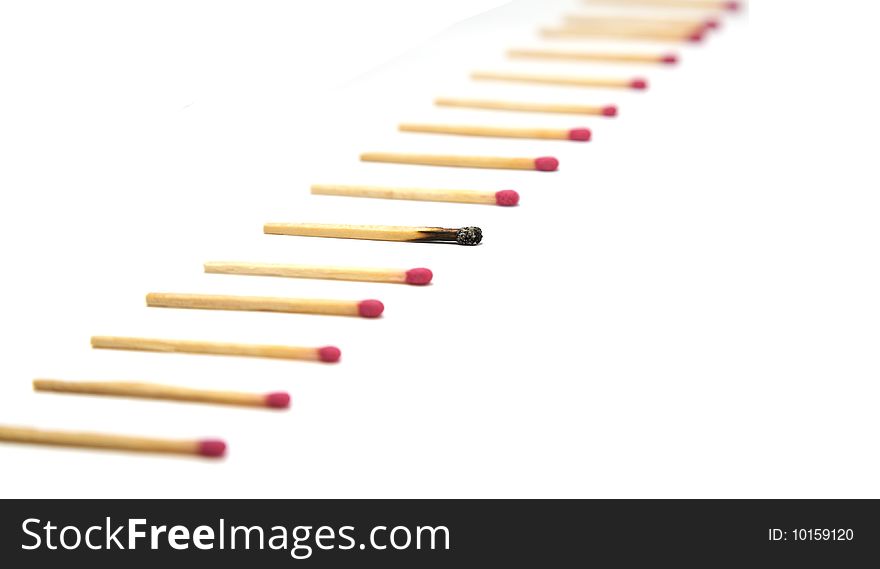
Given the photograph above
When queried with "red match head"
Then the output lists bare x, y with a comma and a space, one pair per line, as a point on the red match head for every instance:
639, 83
211, 448
420, 276
609, 111
329, 354
370, 308
712, 24
669, 59
278, 400
546, 164
732, 6
697, 36
506, 198
580, 134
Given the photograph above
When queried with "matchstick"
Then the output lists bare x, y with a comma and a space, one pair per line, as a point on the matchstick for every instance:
209, 448
561, 80
462, 236
543, 164
327, 354
692, 24
528, 107
606, 57
503, 197
576, 134
276, 400
690, 4
364, 308
418, 276
656, 35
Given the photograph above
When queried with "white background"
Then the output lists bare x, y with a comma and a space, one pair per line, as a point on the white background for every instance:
687, 308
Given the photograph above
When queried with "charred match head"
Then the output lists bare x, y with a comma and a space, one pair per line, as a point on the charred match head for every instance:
469, 236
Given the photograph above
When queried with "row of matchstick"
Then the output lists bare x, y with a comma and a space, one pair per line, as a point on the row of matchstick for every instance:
623, 26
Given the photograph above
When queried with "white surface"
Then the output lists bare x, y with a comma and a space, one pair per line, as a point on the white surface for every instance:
687, 308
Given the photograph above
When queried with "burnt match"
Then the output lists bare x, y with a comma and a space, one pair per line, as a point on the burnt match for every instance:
137, 390
419, 276
364, 308
579, 134
543, 163
505, 198
208, 448
464, 236
326, 354
527, 106
595, 56
562, 80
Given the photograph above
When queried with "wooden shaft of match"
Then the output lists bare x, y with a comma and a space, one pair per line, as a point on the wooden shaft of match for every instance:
691, 25
490, 131
585, 32
519, 106
451, 160
307, 272
692, 4
553, 79
671, 29
417, 194
201, 347
151, 391
612, 57
29, 435
374, 232
254, 303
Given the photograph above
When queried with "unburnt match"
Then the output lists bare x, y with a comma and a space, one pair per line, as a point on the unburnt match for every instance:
561, 80
365, 308
542, 164
527, 106
685, 24
419, 276
708, 5
463, 236
598, 56
137, 390
209, 448
505, 198
326, 354
650, 35
577, 134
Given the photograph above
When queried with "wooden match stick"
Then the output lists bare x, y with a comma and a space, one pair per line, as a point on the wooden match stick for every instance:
691, 4
561, 80
418, 276
462, 236
657, 35
365, 308
692, 24
635, 24
276, 400
502, 197
210, 448
577, 134
528, 107
544, 163
328, 354
608, 57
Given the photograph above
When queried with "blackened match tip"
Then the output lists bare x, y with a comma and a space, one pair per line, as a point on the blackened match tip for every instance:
469, 236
